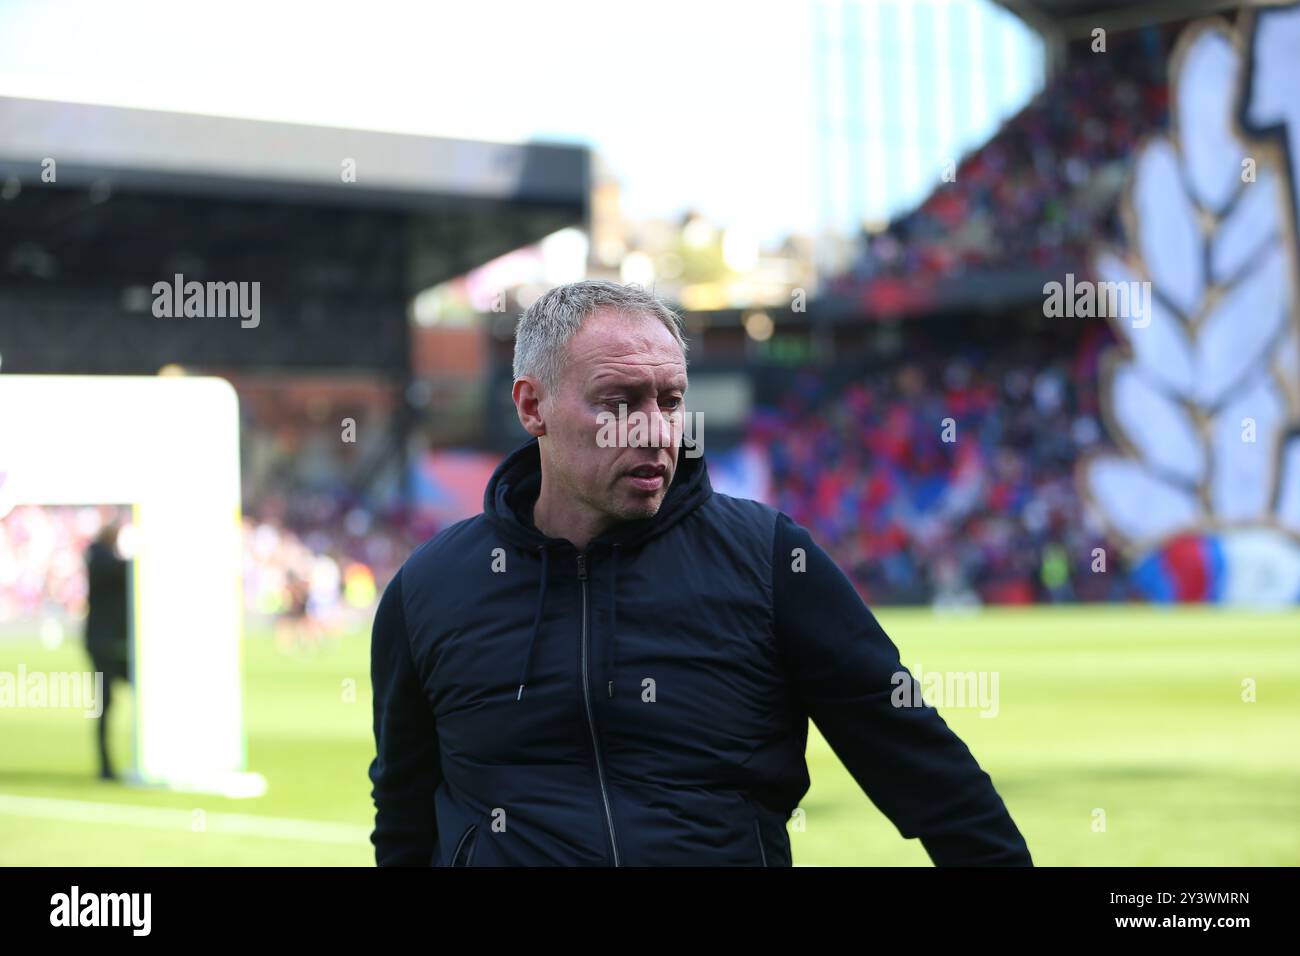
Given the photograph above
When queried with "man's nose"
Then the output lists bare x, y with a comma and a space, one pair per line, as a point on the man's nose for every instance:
663, 431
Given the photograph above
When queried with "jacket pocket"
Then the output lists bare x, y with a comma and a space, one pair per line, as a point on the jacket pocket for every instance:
463, 855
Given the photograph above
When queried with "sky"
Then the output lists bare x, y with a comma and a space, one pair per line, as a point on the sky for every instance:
689, 104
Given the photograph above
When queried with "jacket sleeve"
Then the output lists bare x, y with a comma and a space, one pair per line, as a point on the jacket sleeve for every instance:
406, 770
844, 672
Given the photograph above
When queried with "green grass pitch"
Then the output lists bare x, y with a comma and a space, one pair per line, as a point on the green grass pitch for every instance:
1129, 716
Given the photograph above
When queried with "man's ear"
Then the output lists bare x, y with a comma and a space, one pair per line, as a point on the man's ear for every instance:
527, 394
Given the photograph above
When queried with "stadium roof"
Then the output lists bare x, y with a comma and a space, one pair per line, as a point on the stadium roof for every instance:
486, 199
241, 156
138, 196
1071, 18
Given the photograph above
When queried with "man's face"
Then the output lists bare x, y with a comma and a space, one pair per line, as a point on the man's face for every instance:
616, 361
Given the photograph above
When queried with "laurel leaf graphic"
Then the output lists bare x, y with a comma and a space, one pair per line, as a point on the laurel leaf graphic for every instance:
1147, 508
1162, 349
1203, 116
1168, 239
1207, 401
1250, 227
1288, 502
1242, 481
1286, 366
1163, 432
1242, 329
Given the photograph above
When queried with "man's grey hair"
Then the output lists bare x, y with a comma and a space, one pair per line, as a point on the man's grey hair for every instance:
544, 330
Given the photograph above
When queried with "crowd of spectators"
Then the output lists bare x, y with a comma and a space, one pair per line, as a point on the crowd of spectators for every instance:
315, 568
948, 478
308, 559
42, 567
1015, 201
993, 514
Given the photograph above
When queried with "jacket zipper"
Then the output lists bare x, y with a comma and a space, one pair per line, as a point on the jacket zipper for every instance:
591, 721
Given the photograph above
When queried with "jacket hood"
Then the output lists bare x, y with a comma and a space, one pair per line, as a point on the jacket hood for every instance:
514, 486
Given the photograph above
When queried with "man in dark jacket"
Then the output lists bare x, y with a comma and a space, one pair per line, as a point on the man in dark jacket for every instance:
614, 665
107, 627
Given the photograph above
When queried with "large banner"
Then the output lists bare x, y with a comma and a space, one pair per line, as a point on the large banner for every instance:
1203, 394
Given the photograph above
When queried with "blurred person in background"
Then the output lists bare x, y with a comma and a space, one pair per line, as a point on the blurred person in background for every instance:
107, 624
295, 628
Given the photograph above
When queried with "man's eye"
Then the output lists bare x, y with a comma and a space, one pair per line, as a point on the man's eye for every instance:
674, 403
